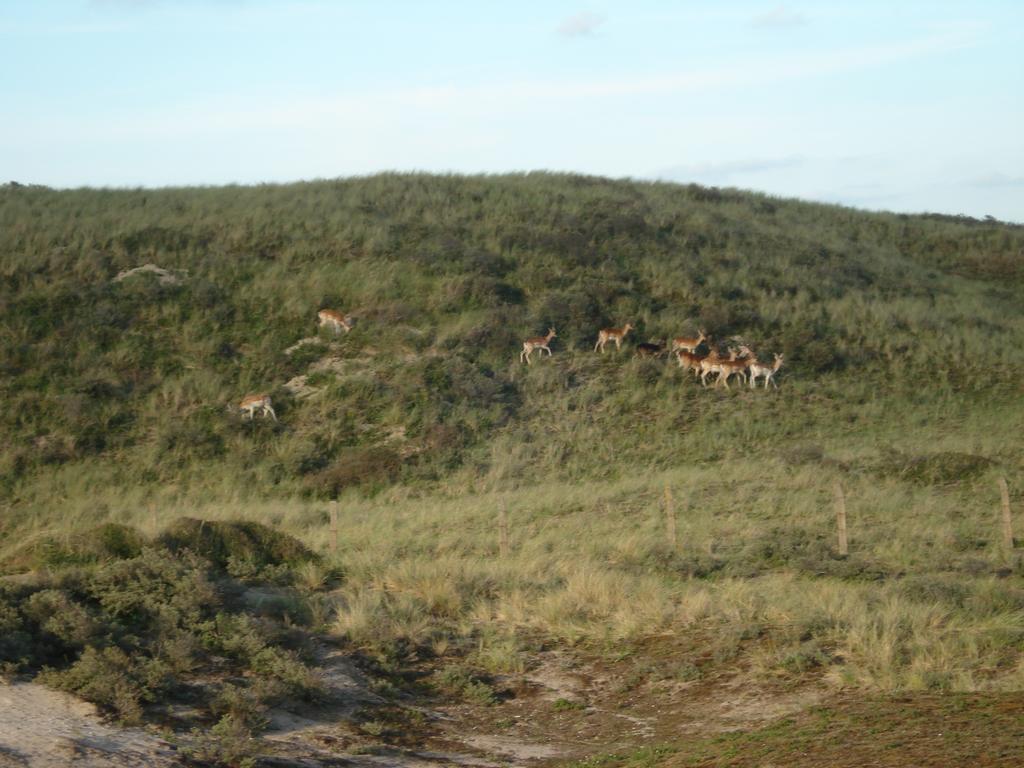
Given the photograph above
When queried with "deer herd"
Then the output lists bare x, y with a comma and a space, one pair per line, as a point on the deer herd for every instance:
741, 362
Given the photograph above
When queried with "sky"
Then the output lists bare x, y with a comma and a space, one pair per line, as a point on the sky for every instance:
896, 105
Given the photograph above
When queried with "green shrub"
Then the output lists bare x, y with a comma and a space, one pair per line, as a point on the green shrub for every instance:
112, 679
58, 616
355, 468
224, 542
462, 682
229, 743
566, 705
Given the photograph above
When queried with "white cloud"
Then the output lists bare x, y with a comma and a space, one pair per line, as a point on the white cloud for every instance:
582, 24
780, 16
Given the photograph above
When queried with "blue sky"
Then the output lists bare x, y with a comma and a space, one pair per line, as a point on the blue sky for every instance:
906, 106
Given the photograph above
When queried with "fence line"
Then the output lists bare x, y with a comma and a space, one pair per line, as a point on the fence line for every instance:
670, 517
841, 519
1004, 492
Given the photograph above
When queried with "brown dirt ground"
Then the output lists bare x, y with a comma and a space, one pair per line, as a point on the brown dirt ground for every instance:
666, 705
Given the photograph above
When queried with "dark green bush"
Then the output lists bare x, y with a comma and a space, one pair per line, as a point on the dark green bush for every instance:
462, 682
355, 468
222, 542
112, 679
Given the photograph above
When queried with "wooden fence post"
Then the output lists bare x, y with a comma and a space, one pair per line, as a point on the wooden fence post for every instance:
503, 538
841, 518
670, 517
1004, 492
334, 527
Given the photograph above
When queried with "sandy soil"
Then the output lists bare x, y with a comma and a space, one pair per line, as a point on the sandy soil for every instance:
40, 728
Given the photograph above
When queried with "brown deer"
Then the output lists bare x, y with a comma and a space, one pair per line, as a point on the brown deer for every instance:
768, 371
252, 403
727, 368
537, 342
690, 361
688, 344
724, 367
611, 334
334, 320
650, 349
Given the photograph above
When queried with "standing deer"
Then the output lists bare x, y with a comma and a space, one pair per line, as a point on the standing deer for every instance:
690, 361
688, 344
724, 367
768, 371
727, 368
252, 403
611, 334
335, 320
537, 342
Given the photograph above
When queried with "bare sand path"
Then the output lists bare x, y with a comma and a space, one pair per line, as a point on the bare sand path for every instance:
40, 728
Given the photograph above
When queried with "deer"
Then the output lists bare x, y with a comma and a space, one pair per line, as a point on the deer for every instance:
335, 320
688, 344
768, 371
537, 342
706, 365
727, 368
611, 334
650, 349
724, 367
690, 361
252, 403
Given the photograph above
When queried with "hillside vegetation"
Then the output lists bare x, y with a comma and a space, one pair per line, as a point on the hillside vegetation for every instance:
904, 345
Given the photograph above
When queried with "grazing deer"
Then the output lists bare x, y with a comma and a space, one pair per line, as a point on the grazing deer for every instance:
335, 320
768, 371
650, 349
537, 342
252, 403
611, 334
687, 344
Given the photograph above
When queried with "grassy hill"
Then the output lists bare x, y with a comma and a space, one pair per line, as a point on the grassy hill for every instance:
904, 345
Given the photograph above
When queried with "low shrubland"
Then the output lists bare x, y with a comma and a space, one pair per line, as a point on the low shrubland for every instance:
137, 629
